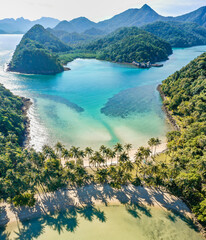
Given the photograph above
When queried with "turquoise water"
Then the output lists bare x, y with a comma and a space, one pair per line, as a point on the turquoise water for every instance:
106, 223
67, 106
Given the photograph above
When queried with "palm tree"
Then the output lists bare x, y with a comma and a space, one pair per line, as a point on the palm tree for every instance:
118, 149
123, 157
128, 147
151, 143
65, 154
146, 153
59, 147
112, 155
107, 155
128, 166
102, 149
88, 152
157, 142
101, 175
74, 152
48, 152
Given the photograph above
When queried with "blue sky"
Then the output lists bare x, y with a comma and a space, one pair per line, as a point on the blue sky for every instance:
93, 9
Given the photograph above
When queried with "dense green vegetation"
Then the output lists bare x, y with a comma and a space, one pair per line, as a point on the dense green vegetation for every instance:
32, 58
46, 39
186, 100
178, 34
14, 168
128, 45
181, 169
73, 38
36, 53
124, 45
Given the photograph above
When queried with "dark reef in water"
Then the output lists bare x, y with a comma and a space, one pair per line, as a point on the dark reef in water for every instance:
65, 101
129, 101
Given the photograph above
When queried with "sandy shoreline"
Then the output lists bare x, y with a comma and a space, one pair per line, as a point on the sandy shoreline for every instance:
49, 203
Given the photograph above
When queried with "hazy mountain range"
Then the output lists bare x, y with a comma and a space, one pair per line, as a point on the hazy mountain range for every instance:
128, 18
21, 25
131, 17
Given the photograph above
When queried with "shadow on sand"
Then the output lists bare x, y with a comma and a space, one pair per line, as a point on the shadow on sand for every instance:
60, 211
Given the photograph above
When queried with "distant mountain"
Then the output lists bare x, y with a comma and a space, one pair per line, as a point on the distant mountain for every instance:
131, 17
178, 34
73, 38
78, 25
94, 32
35, 54
198, 16
21, 25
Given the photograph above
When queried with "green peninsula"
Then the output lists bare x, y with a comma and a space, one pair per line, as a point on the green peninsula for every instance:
124, 46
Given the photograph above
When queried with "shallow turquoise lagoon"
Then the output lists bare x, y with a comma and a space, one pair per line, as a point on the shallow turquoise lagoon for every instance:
67, 107
106, 223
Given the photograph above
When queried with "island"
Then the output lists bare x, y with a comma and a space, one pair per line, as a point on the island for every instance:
37, 53
40, 52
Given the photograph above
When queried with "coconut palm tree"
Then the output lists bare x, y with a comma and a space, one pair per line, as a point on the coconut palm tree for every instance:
128, 147
74, 152
128, 166
88, 152
157, 143
112, 155
59, 147
146, 153
123, 157
118, 149
151, 143
65, 154
102, 149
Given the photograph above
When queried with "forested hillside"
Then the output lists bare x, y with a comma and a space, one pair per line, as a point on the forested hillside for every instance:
127, 45
185, 93
36, 53
178, 34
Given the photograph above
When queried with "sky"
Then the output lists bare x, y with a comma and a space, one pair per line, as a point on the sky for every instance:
95, 10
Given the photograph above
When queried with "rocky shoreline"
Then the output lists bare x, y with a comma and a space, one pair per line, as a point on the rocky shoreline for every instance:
26, 105
165, 109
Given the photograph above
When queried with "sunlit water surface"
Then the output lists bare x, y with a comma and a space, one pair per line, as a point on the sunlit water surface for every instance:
112, 223
67, 107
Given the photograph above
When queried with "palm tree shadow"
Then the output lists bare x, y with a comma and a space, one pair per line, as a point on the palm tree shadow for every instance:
4, 219
89, 212
136, 209
174, 215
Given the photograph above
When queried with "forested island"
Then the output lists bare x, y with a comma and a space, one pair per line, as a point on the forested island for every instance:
40, 52
37, 53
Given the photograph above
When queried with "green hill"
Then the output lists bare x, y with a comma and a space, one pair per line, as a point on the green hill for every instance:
32, 58
49, 41
178, 34
36, 53
185, 99
128, 45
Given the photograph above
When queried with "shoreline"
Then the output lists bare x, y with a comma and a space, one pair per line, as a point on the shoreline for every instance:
26, 105
95, 195
166, 111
